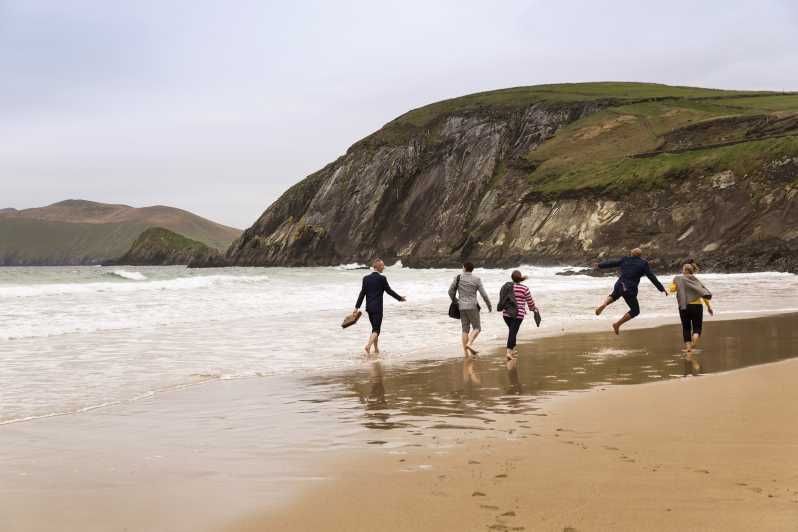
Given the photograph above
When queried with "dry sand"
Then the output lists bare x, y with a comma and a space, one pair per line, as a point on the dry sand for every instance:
716, 452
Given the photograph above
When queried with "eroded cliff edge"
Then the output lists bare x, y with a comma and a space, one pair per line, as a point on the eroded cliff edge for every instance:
553, 175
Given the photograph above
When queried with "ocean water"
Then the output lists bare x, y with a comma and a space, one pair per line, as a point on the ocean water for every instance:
74, 339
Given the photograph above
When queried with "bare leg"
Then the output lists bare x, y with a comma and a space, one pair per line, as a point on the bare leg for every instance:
464, 339
696, 365
372, 342
617, 325
376, 343
470, 340
600, 308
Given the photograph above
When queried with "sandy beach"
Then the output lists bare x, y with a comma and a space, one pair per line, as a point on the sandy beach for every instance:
717, 452
561, 444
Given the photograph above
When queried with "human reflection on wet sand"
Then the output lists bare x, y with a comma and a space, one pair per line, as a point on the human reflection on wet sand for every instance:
469, 391
376, 394
691, 364
470, 376
515, 387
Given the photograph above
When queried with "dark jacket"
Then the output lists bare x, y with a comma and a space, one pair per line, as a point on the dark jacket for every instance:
374, 285
632, 269
507, 302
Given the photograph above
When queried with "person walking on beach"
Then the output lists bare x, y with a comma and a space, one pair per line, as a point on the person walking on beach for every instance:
374, 285
514, 299
466, 285
632, 269
691, 295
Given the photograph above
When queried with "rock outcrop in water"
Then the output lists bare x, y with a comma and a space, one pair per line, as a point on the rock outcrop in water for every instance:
161, 247
561, 174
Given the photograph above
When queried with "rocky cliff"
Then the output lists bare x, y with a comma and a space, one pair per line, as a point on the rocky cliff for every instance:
558, 174
160, 247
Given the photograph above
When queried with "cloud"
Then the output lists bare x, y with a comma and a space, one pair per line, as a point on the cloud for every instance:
219, 106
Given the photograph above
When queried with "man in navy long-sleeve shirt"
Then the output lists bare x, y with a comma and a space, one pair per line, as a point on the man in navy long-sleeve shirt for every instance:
374, 285
632, 269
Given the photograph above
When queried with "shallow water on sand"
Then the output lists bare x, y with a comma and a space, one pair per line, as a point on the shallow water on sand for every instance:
457, 393
78, 338
248, 442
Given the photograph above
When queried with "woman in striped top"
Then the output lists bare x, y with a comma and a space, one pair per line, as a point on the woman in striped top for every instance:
514, 314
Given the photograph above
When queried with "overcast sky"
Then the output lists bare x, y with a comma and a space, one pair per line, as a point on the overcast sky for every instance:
218, 107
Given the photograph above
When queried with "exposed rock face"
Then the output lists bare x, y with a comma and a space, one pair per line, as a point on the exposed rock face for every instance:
463, 186
160, 247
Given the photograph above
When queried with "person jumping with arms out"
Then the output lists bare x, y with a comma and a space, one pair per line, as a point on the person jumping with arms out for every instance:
374, 285
692, 295
632, 269
467, 285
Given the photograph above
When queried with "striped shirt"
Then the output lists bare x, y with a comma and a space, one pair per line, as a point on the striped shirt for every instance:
523, 299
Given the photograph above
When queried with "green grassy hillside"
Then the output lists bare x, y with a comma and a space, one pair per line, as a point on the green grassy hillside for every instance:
159, 246
643, 135
37, 242
85, 232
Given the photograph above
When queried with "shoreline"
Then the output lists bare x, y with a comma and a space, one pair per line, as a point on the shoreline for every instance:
715, 455
490, 346
161, 460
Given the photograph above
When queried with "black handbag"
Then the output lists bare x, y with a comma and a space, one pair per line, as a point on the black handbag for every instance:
454, 307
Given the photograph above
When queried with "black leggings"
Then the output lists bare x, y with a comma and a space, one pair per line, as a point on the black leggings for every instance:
513, 324
692, 320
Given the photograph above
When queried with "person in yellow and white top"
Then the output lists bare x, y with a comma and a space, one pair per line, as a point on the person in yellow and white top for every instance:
691, 295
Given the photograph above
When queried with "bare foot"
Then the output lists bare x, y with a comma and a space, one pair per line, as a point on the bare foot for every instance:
366, 351
472, 349
599, 310
616, 328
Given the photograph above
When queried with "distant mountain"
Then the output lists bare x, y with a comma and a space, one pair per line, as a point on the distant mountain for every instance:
553, 174
85, 232
159, 247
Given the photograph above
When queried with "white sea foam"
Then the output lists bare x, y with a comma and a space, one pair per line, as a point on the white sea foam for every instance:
133, 276
352, 266
73, 338
184, 283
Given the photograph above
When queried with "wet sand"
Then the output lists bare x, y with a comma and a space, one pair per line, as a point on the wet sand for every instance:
555, 444
715, 452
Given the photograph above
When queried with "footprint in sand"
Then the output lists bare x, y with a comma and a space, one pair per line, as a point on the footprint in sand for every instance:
508, 514
478, 494
488, 507
501, 476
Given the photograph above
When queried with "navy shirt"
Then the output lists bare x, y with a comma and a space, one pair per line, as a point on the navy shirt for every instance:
632, 269
374, 285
